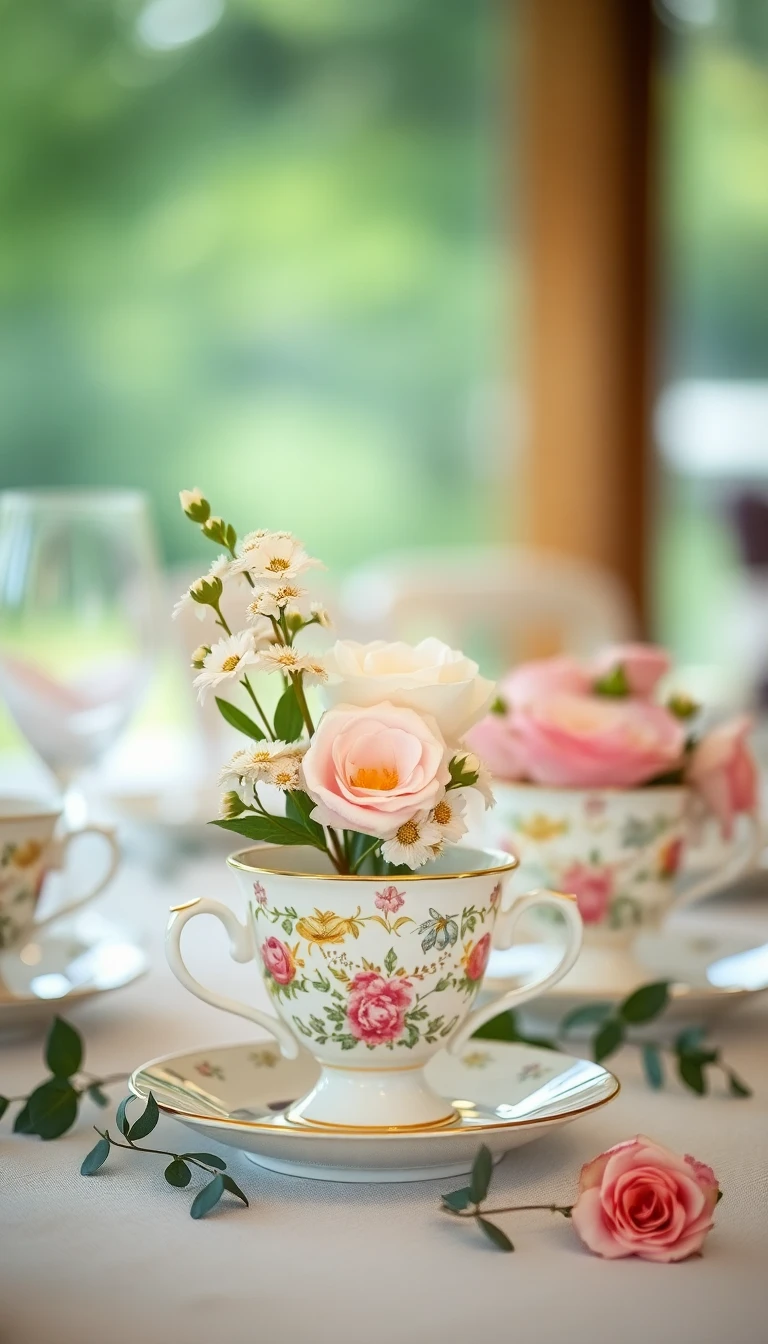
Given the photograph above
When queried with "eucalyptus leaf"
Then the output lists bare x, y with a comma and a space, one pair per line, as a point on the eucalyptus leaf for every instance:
289, 723
587, 1016
457, 1199
645, 1003
653, 1067
96, 1158
501, 1028
146, 1121
274, 830
177, 1173
495, 1234
53, 1108
234, 1189
207, 1198
123, 1123
95, 1093
22, 1123
4, 1104
237, 719
210, 1159
608, 1038
692, 1074
63, 1049
480, 1179
689, 1039
736, 1087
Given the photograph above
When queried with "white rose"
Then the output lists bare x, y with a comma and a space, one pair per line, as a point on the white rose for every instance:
428, 677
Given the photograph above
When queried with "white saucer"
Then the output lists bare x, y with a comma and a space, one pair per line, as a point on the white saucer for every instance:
506, 1095
708, 972
70, 961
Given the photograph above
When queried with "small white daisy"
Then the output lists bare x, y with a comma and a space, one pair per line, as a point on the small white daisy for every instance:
228, 660
413, 842
282, 658
277, 558
448, 814
284, 773
271, 601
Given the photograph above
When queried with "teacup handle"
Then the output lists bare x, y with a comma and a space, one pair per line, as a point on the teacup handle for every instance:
556, 900
57, 860
736, 862
242, 948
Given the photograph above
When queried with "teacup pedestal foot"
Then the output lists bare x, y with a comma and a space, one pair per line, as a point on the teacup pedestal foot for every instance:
372, 1099
607, 968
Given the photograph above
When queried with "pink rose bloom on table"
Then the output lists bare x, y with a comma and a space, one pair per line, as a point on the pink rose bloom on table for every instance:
724, 773
376, 1008
593, 888
638, 1198
278, 960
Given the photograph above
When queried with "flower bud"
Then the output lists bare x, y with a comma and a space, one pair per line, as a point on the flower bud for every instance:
200, 655
194, 505
682, 706
320, 615
207, 591
232, 805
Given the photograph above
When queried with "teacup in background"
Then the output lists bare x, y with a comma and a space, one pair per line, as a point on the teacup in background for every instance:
29, 850
372, 975
619, 851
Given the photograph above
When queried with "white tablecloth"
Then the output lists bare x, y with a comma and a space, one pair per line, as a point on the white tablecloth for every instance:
117, 1258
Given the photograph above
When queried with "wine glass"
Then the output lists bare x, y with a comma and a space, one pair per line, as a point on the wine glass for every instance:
78, 592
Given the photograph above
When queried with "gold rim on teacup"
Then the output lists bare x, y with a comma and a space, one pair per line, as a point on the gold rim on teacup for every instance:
506, 864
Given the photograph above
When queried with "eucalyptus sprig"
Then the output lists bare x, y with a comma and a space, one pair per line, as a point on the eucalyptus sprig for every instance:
52, 1107
689, 1053
178, 1172
468, 1202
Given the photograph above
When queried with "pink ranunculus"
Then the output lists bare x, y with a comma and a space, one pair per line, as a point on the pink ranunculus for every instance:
389, 900
493, 740
723, 772
376, 1008
592, 742
278, 960
593, 888
478, 958
370, 769
544, 676
643, 664
639, 1198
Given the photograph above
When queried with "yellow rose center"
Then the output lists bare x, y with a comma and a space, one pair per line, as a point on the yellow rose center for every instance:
230, 663
443, 813
379, 777
408, 833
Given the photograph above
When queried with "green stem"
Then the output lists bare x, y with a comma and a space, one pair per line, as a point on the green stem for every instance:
301, 700
479, 1212
161, 1152
259, 710
364, 856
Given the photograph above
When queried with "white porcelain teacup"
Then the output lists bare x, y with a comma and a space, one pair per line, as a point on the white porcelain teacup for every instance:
621, 852
372, 975
29, 850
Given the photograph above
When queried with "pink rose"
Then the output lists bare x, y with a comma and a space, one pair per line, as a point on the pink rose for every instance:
478, 958
643, 665
390, 900
593, 888
590, 742
278, 960
723, 771
639, 1198
370, 769
376, 1008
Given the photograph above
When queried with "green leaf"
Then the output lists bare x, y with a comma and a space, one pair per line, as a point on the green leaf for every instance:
177, 1173
457, 1199
237, 719
614, 683
654, 1071
646, 1002
586, 1016
210, 1159
390, 962
4, 1104
207, 1198
501, 1028
95, 1093
298, 806
123, 1123
53, 1108
95, 1159
275, 830
480, 1179
736, 1087
234, 1189
23, 1121
63, 1049
689, 1039
146, 1121
495, 1234
289, 725
608, 1038
692, 1073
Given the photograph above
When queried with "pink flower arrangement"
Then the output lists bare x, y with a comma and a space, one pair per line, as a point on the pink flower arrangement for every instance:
478, 957
279, 960
390, 900
593, 887
638, 1198
376, 1007
591, 725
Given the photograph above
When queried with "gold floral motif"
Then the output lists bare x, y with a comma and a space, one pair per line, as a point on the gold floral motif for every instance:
476, 1059
264, 1058
541, 827
27, 853
325, 927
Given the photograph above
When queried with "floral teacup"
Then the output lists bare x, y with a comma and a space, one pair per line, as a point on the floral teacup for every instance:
29, 850
372, 975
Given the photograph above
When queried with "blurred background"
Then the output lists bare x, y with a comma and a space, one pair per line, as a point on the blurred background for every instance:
407, 277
